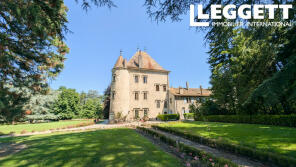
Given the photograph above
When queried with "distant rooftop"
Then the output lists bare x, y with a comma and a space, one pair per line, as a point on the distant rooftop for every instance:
193, 92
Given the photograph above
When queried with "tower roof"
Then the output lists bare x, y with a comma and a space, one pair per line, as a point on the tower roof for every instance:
142, 60
120, 62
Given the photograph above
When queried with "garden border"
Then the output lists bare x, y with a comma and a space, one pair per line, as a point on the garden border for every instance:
204, 156
266, 157
275, 120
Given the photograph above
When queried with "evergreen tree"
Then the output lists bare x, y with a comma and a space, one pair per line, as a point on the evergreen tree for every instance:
32, 50
106, 100
39, 106
253, 68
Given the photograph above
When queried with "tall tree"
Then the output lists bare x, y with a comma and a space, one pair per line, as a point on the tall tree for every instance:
40, 105
67, 106
32, 49
106, 100
247, 63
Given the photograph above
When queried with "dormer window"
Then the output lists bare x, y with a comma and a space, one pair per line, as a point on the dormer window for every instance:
136, 79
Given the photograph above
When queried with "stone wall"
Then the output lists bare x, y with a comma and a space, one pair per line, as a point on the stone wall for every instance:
153, 78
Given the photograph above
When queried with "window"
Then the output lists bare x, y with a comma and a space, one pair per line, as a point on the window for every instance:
136, 113
136, 95
145, 111
183, 110
157, 103
144, 79
188, 100
113, 94
136, 78
145, 95
164, 88
165, 104
157, 87
113, 78
171, 100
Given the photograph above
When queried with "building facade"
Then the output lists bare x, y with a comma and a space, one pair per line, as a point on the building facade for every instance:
140, 88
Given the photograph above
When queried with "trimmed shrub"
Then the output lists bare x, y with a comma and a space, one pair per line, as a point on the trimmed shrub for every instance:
168, 117
188, 115
267, 157
277, 120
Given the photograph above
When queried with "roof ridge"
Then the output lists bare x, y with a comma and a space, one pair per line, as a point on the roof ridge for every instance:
143, 60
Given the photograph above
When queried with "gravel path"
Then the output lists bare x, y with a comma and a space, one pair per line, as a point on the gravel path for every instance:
241, 161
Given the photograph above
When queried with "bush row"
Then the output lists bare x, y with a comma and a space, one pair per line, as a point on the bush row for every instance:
278, 120
188, 115
168, 117
267, 157
204, 157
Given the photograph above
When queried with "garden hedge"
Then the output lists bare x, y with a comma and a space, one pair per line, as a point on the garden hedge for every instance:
188, 115
277, 120
168, 117
204, 156
266, 157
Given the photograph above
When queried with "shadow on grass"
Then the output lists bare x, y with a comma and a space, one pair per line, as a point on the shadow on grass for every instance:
114, 147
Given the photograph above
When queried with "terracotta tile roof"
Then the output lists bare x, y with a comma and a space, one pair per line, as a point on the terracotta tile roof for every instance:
120, 62
190, 92
143, 61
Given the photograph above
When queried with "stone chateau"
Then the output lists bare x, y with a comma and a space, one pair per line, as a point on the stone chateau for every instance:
140, 87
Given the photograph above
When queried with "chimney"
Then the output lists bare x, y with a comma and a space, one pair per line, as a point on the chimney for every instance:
187, 85
180, 90
140, 62
200, 87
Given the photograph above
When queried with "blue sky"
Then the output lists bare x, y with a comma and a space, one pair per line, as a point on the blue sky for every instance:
100, 34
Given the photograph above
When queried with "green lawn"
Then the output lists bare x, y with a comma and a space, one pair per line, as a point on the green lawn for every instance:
114, 147
6, 129
280, 140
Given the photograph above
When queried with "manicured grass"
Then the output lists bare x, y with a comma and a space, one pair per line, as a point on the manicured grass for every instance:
6, 129
108, 148
279, 140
